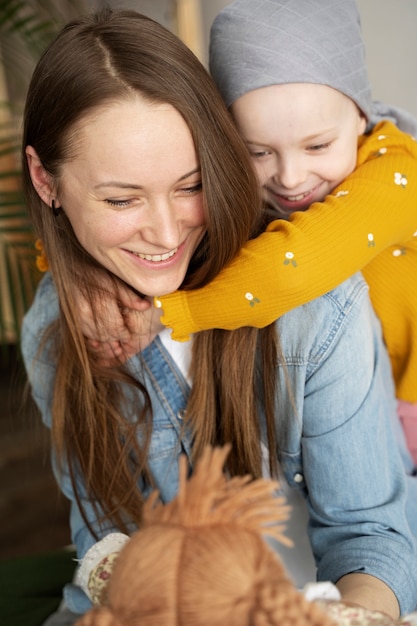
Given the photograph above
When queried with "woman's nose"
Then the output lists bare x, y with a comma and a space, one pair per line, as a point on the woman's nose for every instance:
162, 225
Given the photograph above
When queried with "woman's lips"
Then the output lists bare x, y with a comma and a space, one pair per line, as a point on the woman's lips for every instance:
158, 261
156, 258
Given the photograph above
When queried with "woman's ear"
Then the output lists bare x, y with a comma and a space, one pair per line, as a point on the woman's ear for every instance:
41, 180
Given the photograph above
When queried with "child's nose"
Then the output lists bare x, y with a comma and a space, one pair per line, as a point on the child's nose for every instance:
290, 173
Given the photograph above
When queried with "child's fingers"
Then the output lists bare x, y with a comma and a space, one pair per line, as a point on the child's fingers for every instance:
135, 303
112, 353
130, 300
106, 350
144, 324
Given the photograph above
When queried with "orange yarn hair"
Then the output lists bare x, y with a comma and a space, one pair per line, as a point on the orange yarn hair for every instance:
201, 560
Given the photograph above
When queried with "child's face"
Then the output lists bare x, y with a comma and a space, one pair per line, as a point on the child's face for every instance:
302, 138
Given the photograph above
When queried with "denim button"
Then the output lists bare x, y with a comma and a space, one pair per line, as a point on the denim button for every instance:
298, 478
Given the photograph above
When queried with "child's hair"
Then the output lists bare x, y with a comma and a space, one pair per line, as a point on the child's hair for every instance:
202, 561
102, 417
289, 41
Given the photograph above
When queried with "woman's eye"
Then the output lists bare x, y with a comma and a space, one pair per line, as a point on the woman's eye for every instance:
118, 203
258, 154
193, 189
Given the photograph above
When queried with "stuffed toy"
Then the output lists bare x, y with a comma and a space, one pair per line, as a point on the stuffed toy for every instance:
202, 560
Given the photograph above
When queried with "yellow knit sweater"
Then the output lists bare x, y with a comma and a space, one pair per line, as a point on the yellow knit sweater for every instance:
369, 222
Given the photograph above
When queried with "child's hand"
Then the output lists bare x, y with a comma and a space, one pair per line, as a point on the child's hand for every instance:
118, 326
138, 328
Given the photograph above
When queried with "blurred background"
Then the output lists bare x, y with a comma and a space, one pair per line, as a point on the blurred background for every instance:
33, 517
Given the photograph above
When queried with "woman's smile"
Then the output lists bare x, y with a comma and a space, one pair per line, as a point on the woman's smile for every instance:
156, 258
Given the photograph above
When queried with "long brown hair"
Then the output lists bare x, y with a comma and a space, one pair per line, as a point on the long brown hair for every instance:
101, 59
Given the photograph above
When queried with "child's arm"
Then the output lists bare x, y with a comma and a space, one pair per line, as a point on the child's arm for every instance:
291, 263
298, 260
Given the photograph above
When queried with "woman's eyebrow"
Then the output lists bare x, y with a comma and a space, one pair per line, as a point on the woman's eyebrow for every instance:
116, 183
123, 185
196, 170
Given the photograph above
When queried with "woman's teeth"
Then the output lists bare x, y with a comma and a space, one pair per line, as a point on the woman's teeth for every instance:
155, 258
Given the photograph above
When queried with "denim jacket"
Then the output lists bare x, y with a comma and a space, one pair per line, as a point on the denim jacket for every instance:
335, 427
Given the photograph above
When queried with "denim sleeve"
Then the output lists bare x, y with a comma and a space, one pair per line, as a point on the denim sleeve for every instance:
353, 474
40, 368
75, 598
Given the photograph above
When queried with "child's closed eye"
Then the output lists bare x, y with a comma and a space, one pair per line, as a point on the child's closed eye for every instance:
320, 146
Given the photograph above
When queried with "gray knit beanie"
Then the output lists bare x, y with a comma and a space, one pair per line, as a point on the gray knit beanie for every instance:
257, 43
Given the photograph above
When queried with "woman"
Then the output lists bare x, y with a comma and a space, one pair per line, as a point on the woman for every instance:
133, 168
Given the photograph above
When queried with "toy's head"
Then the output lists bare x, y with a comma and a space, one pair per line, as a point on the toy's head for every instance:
202, 561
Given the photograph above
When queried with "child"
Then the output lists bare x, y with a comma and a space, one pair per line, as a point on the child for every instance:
305, 44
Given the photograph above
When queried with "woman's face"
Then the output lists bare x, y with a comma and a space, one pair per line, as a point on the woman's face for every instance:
133, 193
302, 139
